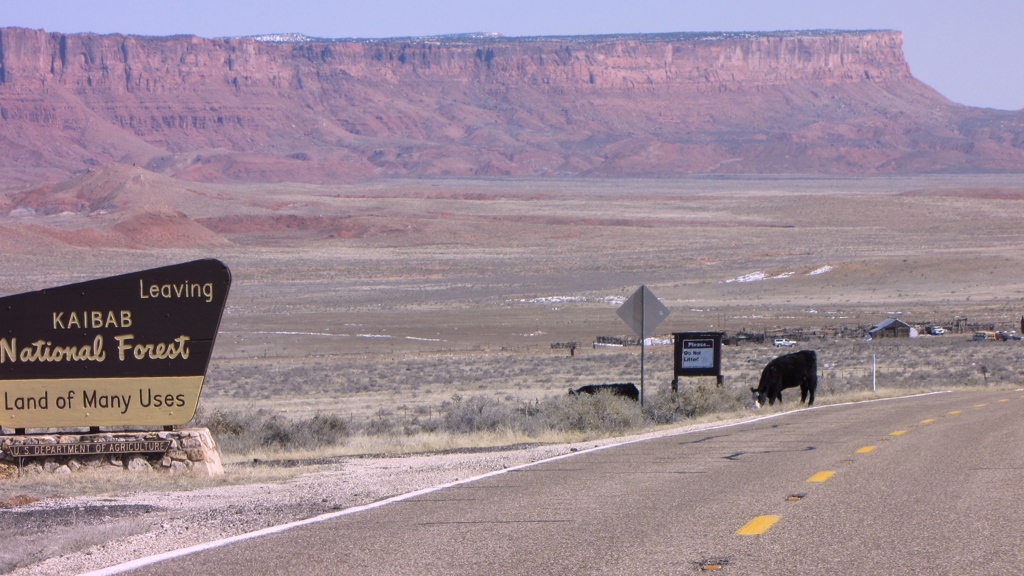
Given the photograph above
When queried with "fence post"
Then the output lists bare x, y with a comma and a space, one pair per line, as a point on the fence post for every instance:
872, 372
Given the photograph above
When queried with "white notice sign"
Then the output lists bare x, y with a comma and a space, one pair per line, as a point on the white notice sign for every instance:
698, 354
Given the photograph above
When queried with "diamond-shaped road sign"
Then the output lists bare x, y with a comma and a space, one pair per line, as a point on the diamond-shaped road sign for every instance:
643, 312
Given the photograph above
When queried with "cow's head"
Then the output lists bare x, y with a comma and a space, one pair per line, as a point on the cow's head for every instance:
759, 397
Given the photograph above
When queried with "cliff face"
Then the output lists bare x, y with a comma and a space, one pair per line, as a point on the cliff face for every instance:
116, 64
239, 108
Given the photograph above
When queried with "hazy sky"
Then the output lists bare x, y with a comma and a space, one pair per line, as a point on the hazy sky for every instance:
970, 51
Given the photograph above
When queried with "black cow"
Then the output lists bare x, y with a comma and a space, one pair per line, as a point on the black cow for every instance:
796, 369
627, 390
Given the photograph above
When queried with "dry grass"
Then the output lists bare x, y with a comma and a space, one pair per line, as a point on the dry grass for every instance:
420, 402
117, 483
489, 415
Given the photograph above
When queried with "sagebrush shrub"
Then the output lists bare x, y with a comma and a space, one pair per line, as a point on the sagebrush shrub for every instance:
247, 431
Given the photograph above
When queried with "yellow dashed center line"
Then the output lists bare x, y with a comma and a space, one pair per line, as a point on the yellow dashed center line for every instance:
758, 525
821, 476
1004, 400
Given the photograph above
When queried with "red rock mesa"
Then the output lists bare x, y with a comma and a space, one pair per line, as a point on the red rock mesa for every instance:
300, 109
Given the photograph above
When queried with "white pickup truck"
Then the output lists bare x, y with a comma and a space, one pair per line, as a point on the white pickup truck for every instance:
784, 342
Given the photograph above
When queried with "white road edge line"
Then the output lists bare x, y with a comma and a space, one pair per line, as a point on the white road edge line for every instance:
156, 558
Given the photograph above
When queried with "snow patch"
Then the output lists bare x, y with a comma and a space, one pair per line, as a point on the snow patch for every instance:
287, 37
752, 277
559, 299
761, 275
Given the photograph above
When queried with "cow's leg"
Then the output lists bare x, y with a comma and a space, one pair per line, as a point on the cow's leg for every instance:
810, 401
803, 393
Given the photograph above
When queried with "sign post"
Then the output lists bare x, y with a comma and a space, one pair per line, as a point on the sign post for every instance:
642, 312
128, 350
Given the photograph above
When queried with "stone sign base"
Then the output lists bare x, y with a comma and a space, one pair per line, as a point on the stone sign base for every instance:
186, 450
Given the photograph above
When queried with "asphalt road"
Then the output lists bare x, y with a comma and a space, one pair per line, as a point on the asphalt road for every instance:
940, 492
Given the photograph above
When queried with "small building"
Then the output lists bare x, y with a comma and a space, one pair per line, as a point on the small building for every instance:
892, 328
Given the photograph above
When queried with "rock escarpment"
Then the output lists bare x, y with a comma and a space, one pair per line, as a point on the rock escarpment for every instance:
326, 110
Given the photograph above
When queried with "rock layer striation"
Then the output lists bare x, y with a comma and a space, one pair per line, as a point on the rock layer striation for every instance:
250, 109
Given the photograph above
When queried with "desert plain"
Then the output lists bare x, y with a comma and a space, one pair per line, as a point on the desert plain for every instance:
395, 295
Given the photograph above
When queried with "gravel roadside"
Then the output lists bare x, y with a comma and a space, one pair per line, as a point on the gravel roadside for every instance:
147, 523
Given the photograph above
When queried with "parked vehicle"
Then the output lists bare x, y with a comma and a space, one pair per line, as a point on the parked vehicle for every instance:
784, 342
984, 335
936, 330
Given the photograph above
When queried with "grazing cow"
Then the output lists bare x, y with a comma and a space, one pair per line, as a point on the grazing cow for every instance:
796, 369
627, 390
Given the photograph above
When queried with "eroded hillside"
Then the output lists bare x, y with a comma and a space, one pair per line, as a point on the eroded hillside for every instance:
244, 109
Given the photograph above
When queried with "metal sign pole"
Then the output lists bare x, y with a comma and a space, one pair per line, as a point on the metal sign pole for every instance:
634, 313
643, 333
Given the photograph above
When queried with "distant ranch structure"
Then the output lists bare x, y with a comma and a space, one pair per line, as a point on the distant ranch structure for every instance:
892, 328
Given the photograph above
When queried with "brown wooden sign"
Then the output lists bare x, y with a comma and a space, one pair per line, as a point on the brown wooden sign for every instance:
121, 351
